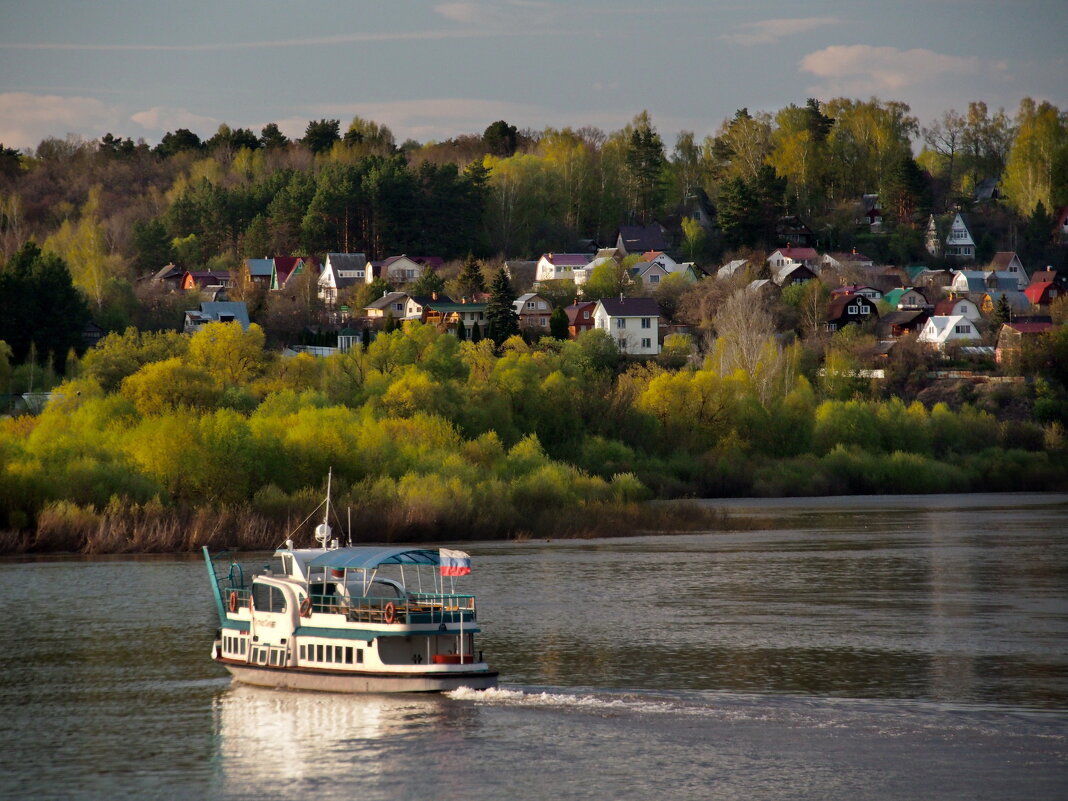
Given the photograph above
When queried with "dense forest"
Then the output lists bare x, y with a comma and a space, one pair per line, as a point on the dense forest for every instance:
155, 440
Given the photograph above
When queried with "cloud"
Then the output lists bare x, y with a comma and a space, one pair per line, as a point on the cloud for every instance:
770, 31
518, 16
26, 119
863, 69
161, 119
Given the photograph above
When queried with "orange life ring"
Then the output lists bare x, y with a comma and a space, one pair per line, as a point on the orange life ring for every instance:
233, 600
390, 612
306, 607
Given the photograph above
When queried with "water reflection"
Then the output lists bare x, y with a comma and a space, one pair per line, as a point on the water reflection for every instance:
277, 742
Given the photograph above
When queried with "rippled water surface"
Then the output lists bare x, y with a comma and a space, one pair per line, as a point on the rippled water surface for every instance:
882, 648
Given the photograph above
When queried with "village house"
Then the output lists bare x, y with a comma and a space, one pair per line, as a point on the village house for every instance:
1060, 226
732, 268
560, 266
940, 331
533, 311
448, 315
648, 273
641, 238
850, 309
957, 245
790, 256
341, 271
957, 306
793, 274
852, 261
634, 324
896, 324
906, 298
579, 317
400, 306
216, 312
1012, 336
1007, 263
1042, 293
403, 269
870, 292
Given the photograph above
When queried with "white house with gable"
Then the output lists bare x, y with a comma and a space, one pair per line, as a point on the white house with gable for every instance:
941, 330
560, 266
634, 324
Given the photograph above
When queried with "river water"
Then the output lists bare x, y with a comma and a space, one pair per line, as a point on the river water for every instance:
842, 648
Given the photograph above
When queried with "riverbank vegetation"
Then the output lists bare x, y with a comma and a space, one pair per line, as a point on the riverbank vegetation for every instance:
162, 442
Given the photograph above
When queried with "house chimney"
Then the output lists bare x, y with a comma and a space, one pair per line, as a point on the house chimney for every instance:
434, 295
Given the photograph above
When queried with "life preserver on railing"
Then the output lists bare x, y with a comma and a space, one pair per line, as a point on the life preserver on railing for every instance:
390, 612
233, 600
305, 607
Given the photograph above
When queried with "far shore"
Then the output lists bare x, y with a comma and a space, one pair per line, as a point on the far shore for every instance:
134, 536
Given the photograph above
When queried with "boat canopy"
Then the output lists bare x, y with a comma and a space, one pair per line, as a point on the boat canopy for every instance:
368, 558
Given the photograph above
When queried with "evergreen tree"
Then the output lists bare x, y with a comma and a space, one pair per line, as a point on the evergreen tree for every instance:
1002, 312
471, 281
558, 323
476, 333
153, 246
502, 321
320, 136
427, 284
40, 309
461, 330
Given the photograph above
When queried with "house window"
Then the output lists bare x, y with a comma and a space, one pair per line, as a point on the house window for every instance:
530, 304
654, 279
544, 321
865, 310
647, 322
398, 307
621, 323
585, 315
647, 343
963, 329
541, 304
852, 309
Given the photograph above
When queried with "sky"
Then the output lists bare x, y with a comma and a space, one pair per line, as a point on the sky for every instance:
430, 69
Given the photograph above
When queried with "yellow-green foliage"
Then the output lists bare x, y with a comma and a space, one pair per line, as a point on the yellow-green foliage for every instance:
430, 437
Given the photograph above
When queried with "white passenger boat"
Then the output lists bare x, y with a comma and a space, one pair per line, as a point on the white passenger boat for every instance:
350, 619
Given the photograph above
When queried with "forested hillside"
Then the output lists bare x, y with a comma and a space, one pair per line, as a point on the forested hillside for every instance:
117, 210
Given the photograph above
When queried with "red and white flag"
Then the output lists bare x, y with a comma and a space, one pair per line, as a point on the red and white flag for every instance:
454, 563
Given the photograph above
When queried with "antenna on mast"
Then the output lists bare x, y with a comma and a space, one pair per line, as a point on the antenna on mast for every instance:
322, 531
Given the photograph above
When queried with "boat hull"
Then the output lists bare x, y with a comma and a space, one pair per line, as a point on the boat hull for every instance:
333, 682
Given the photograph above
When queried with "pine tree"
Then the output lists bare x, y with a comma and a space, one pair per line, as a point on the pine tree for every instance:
502, 321
558, 323
471, 282
461, 330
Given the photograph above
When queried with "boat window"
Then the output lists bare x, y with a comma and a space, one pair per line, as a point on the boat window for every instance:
319, 653
287, 564
348, 654
266, 598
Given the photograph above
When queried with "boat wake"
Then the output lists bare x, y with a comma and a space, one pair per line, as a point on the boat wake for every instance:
893, 719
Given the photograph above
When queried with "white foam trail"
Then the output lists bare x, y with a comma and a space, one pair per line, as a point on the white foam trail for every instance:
502, 697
